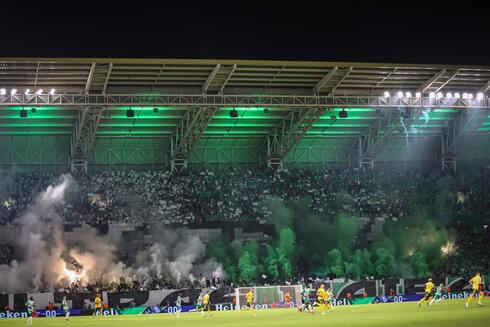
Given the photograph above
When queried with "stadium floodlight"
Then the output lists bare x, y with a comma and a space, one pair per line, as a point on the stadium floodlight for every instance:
408, 94
479, 96
27, 91
449, 95
418, 95
39, 92
440, 95
399, 94
465, 95
470, 96
457, 95
387, 94
13, 91
3, 91
52, 91
432, 94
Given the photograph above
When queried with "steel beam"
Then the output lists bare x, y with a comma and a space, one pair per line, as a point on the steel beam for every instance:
346, 74
325, 79
109, 71
386, 77
292, 101
233, 68
485, 87
276, 75
83, 137
188, 132
88, 84
427, 84
289, 133
210, 78
456, 73
98, 78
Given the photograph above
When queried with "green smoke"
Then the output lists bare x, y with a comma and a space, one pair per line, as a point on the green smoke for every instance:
334, 263
325, 244
419, 265
248, 262
385, 263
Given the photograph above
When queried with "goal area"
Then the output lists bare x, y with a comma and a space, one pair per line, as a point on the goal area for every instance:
268, 296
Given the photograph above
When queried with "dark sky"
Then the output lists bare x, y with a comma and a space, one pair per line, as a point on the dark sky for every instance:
396, 31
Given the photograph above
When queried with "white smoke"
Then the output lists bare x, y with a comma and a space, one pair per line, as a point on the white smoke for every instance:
47, 257
176, 256
39, 243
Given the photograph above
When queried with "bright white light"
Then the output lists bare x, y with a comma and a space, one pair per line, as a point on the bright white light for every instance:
449, 248
479, 96
465, 95
71, 275
13, 91
418, 95
3, 91
439, 95
432, 94
449, 95
40, 91
456, 95
470, 96
387, 94
400, 94
408, 94
27, 91
52, 91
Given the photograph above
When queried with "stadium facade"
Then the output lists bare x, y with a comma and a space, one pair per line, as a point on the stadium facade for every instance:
96, 114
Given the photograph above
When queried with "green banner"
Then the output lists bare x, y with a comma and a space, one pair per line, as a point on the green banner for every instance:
362, 300
131, 311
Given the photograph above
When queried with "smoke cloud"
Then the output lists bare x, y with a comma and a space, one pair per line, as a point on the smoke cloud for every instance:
39, 243
47, 259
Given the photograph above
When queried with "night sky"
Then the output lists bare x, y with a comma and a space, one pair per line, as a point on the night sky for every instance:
437, 32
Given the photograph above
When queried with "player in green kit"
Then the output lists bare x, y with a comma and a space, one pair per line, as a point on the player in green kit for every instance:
306, 306
440, 290
64, 305
30, 310
199, 306
178, 304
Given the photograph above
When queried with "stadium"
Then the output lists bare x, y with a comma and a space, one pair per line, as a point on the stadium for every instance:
147, 189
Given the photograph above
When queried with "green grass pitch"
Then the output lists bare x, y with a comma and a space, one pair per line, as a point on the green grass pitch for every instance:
447, 313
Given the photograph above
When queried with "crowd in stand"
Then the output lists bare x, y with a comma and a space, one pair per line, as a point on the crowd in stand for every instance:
195, 197
123, 285
204, 196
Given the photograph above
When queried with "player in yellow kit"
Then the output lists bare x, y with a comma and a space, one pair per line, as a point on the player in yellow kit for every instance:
477, 288
250, 298
98, 306
429, 286
206, 305
328, 299
320, 298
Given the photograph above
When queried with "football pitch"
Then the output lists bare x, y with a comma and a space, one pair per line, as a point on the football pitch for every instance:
448, 313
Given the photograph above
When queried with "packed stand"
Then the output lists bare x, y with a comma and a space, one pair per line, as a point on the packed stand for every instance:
205, 196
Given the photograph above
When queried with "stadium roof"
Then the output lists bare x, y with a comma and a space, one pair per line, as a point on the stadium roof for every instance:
290, 89
115, 76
